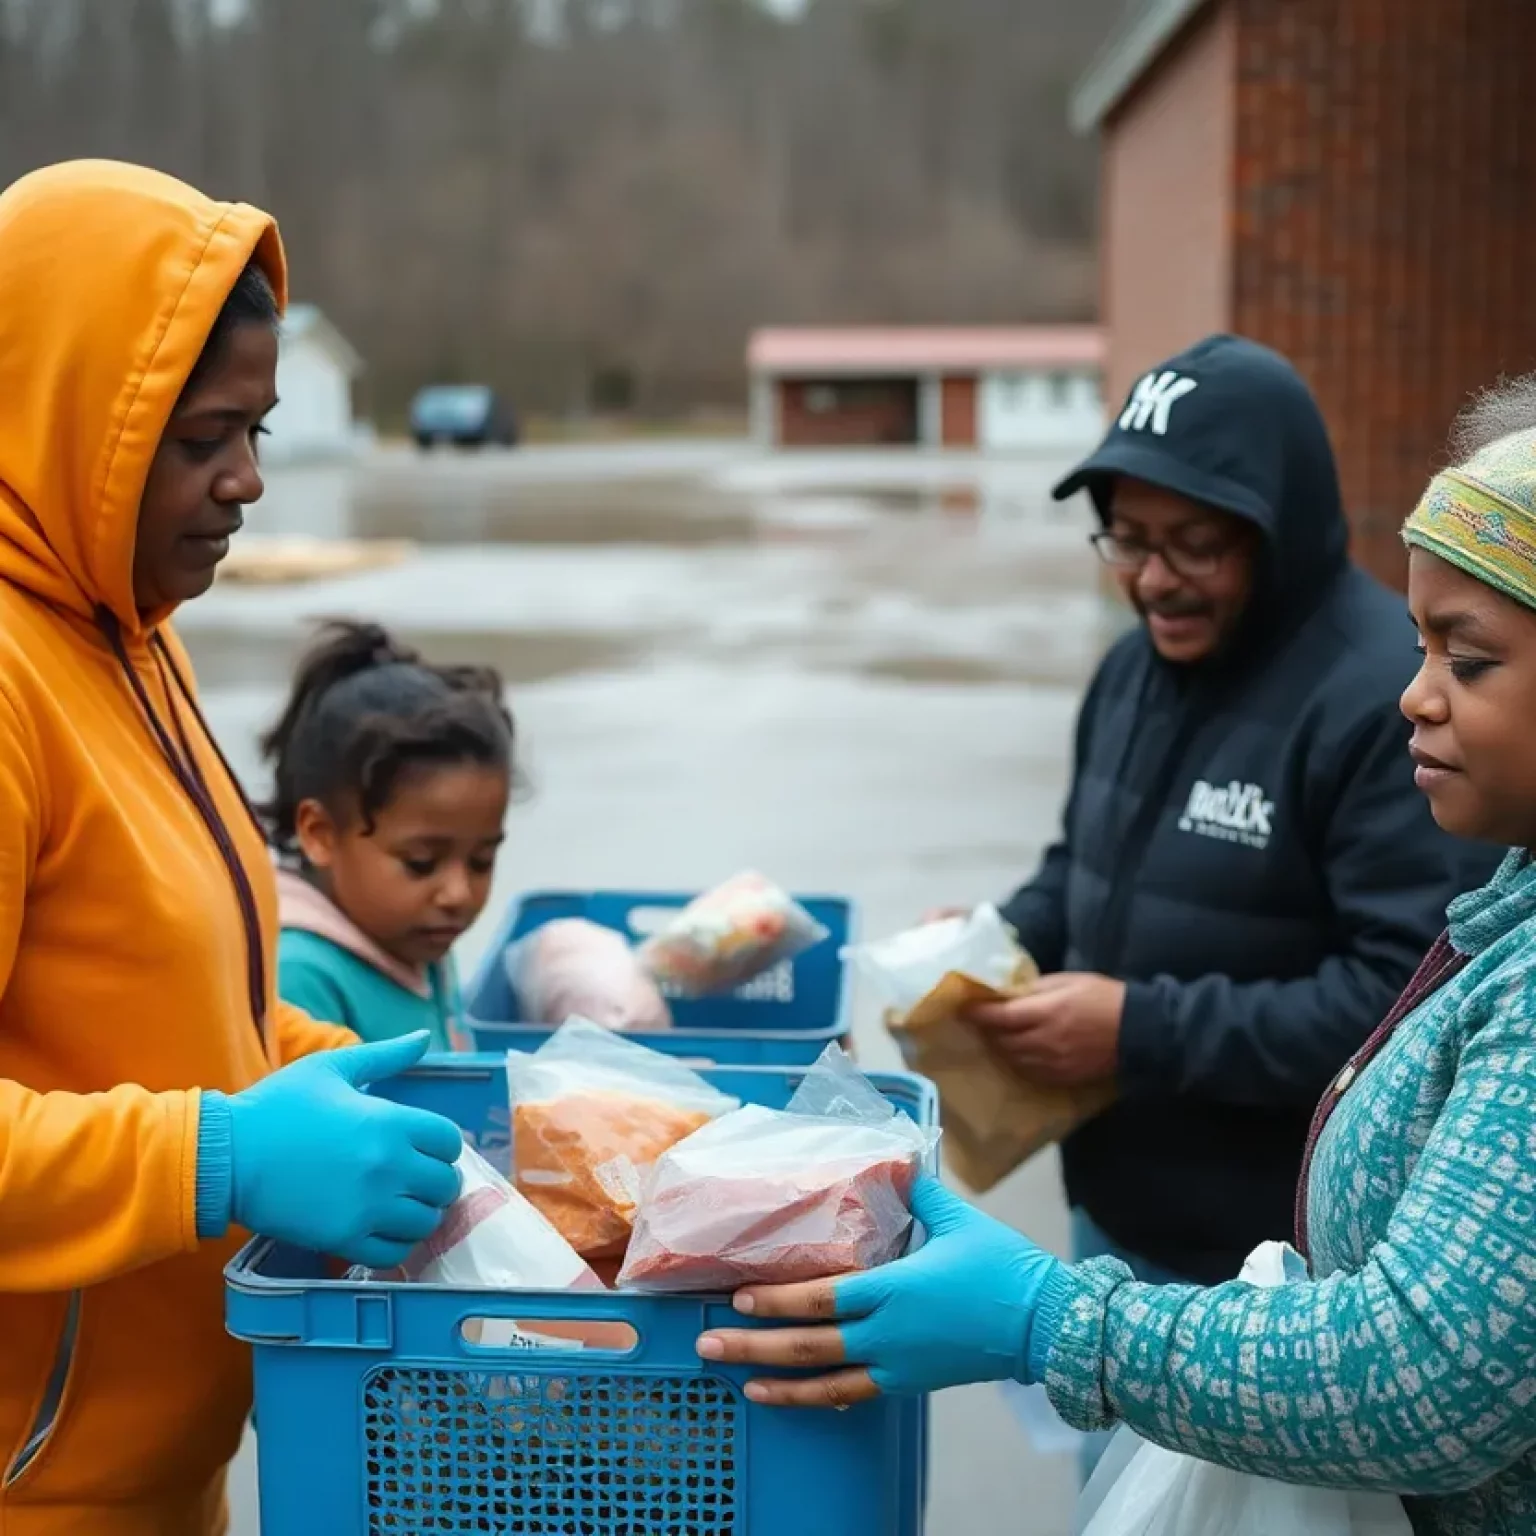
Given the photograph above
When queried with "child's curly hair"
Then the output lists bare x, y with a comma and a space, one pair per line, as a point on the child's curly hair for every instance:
365, 710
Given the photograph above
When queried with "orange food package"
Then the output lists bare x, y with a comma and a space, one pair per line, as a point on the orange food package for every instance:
586, 1100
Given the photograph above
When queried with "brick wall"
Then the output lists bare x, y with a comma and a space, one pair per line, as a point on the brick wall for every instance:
864, 413
1384, 221
1167, 177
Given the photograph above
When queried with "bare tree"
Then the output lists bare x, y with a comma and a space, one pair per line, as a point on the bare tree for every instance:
593, 201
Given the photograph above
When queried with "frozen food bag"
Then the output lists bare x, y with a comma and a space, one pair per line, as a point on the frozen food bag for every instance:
763, 1196
726, 937
584, 1099
572, 968
994, 1117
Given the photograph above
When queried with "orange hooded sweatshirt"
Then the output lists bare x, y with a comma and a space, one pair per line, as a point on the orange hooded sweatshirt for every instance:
138, 908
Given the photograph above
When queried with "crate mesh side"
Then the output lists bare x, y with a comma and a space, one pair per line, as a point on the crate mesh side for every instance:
475, 1451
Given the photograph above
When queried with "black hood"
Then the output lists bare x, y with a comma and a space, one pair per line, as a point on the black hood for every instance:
1233, 425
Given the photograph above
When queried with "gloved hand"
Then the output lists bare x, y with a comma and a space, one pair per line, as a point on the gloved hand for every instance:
978, 1302
306, 1157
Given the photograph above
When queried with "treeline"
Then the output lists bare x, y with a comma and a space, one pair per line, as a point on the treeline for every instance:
591, 202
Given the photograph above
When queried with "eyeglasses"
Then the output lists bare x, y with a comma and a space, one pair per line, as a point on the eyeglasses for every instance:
1126, 554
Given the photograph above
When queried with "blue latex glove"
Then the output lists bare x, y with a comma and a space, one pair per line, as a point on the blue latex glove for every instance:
306, 1157
978, 1302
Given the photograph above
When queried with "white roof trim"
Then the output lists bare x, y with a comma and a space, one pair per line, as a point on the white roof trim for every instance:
1131, 50
308, 320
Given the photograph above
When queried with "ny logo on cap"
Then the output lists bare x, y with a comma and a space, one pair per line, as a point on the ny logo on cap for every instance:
1153, 400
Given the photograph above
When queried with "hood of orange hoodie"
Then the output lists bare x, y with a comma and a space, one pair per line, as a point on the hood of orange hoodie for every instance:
111, 279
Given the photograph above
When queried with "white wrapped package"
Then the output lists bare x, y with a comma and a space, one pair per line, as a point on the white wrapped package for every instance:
492, 1239
909, 966
575, 968
731, 934
764, 1196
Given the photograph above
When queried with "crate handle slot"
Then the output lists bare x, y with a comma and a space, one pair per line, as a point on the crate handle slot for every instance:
548, 1335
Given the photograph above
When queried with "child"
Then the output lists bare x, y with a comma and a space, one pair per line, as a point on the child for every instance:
392, 779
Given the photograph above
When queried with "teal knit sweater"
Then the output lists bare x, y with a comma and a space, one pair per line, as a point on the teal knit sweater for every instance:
1408, 1364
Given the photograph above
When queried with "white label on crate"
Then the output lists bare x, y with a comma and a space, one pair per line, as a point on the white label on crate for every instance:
503, 1333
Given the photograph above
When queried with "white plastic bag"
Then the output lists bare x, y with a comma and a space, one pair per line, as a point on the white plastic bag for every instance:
910, 965
584, 1098
724, 938
764, 1196
1143, 1490
492, 1239
572, 967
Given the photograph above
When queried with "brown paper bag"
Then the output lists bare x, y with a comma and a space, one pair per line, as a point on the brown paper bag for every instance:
994, 1118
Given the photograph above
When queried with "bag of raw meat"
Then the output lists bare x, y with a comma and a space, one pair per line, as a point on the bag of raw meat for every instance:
585, 1098
492, 1239
726, 937
572, 968
765, 1196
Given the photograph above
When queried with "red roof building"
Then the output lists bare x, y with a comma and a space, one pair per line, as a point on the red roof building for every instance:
1019, 388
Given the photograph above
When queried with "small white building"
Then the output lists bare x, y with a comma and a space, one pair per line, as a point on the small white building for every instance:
316, 369
999, 388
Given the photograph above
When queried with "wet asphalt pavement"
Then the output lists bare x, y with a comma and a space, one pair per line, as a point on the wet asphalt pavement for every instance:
857, 673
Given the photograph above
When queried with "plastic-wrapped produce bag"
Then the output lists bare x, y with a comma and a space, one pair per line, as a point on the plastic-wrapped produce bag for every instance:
1143, 1490
764, 1196
726, 937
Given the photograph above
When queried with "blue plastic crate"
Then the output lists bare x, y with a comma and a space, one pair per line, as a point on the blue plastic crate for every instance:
786, 1017
377, 1417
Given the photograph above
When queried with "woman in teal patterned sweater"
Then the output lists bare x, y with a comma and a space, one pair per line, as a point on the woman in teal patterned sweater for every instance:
1408, 1363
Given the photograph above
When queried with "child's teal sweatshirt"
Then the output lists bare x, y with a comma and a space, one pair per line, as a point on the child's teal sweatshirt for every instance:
327, 966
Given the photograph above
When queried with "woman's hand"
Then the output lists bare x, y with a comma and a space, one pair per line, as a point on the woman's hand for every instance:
978, 1302
307, 1156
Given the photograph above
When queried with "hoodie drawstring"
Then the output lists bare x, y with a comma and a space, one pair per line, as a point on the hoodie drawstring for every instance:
190, 777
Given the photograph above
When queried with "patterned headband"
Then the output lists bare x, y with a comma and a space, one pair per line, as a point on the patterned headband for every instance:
1479, 529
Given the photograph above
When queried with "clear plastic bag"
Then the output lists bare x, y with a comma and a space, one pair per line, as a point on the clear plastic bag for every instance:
930, 977
583, 1099
575, 968
1140, 1489
726, 937
766, 1196
910, 966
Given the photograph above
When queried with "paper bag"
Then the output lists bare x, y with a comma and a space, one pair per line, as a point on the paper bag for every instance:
994, 1118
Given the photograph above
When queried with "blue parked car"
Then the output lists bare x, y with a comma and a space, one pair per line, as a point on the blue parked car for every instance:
464, 415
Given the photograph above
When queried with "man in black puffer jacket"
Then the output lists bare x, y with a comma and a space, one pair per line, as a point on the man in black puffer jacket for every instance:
1247, 875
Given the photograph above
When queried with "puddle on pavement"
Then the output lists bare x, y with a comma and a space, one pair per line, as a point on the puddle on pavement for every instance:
964, 580
232, 659
665, 514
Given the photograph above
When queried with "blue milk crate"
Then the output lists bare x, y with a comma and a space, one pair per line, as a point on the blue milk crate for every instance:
376, 1416
786, 1017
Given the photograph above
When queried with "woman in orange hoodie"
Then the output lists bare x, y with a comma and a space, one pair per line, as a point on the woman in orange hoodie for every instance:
155, 1098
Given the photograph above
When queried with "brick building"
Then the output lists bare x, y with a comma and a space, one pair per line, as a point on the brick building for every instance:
1352, 182
1004, 388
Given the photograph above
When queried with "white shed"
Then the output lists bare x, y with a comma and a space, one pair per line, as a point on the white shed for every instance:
316, 368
